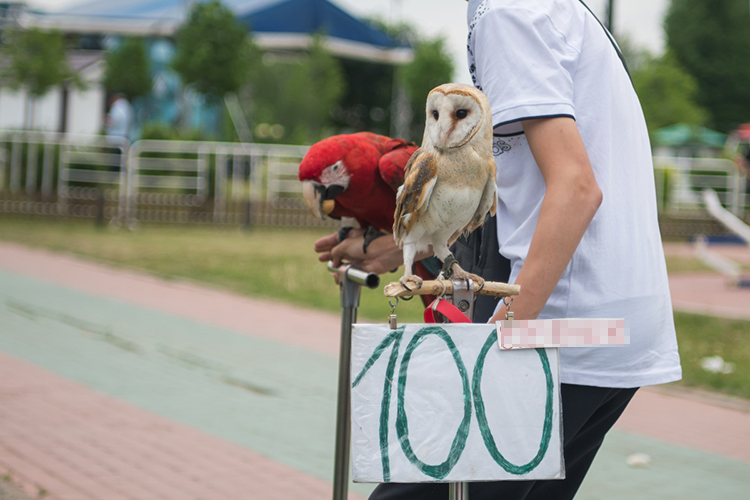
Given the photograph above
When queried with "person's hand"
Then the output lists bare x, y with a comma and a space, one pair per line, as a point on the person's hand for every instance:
382, 253
325, 245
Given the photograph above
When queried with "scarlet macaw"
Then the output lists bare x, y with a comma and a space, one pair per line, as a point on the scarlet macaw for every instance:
357, 175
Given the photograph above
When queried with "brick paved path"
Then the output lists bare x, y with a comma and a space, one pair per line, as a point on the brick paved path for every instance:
76, 444
119, 385
708, 292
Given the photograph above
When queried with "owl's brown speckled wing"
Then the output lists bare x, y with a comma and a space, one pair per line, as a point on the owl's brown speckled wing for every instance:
414, 195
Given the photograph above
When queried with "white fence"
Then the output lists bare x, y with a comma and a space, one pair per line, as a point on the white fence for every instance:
162, 181
681, 180
239, 183
61, 174
679, 184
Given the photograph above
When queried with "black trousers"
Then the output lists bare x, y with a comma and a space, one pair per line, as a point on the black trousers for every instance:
588, 413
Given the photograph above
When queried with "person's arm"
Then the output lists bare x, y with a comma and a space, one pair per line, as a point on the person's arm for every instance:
570, 202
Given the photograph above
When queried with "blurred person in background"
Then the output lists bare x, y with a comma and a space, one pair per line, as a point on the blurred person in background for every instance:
120, 117
738, 147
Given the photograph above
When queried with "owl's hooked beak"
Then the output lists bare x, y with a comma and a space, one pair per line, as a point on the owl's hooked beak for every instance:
319, 198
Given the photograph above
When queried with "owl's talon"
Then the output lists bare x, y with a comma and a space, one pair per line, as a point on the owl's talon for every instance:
448, 264
459, 273
413, 280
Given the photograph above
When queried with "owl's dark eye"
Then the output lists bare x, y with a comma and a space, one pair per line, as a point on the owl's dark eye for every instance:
435, 114
461, 114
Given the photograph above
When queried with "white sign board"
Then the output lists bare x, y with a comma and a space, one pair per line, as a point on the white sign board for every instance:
443, 403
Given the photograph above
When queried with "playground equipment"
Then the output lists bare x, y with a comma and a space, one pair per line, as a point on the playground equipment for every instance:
721, 264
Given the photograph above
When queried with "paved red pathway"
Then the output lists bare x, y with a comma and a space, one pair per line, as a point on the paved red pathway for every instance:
707, 292
200, 303
75, 443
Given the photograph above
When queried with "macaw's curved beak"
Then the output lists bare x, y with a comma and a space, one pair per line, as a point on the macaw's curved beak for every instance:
319, 199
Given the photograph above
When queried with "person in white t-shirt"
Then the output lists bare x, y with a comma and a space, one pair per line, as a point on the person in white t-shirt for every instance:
576, 216
120, 117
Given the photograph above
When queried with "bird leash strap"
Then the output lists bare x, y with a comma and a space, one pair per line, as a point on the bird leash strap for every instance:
445, 308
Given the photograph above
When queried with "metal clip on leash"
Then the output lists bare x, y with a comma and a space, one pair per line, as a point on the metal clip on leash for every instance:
392, 318
507, 323
508, 314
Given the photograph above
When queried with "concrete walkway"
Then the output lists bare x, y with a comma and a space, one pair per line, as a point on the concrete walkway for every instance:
117, 385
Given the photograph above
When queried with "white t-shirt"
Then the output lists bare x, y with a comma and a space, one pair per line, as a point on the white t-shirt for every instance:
544, 58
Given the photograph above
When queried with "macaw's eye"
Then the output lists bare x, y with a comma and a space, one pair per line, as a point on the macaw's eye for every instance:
435, 114
461, 114
335, 167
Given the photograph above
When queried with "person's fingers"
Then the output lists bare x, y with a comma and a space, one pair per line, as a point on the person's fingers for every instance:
336, 260
325, 257
326, 243
342, 250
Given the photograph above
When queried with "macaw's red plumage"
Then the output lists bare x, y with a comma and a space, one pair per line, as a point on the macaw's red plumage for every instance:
357, 175
360, 173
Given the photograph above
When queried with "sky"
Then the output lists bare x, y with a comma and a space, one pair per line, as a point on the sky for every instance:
639, 20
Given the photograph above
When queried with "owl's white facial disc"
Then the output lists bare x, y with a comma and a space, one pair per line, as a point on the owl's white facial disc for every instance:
452, 119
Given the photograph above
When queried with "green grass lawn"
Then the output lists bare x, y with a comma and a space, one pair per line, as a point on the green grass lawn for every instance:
265, 262
280, 264
691, 264
701, 336
685, 264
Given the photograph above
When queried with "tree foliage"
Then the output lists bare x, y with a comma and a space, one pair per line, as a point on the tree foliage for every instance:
367, 101
213, 50
298, 92
667, 93
711, 40
432, 66
401, 31
37, 60
127, 69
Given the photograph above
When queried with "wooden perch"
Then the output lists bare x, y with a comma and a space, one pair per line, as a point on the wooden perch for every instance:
435, 287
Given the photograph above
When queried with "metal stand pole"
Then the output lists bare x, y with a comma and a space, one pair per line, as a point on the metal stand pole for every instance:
463, 299
351, 280
458, 491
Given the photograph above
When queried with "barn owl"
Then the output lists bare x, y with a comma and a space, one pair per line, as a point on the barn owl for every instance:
449, 184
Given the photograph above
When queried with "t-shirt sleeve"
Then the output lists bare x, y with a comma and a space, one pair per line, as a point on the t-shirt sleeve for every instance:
524, 66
